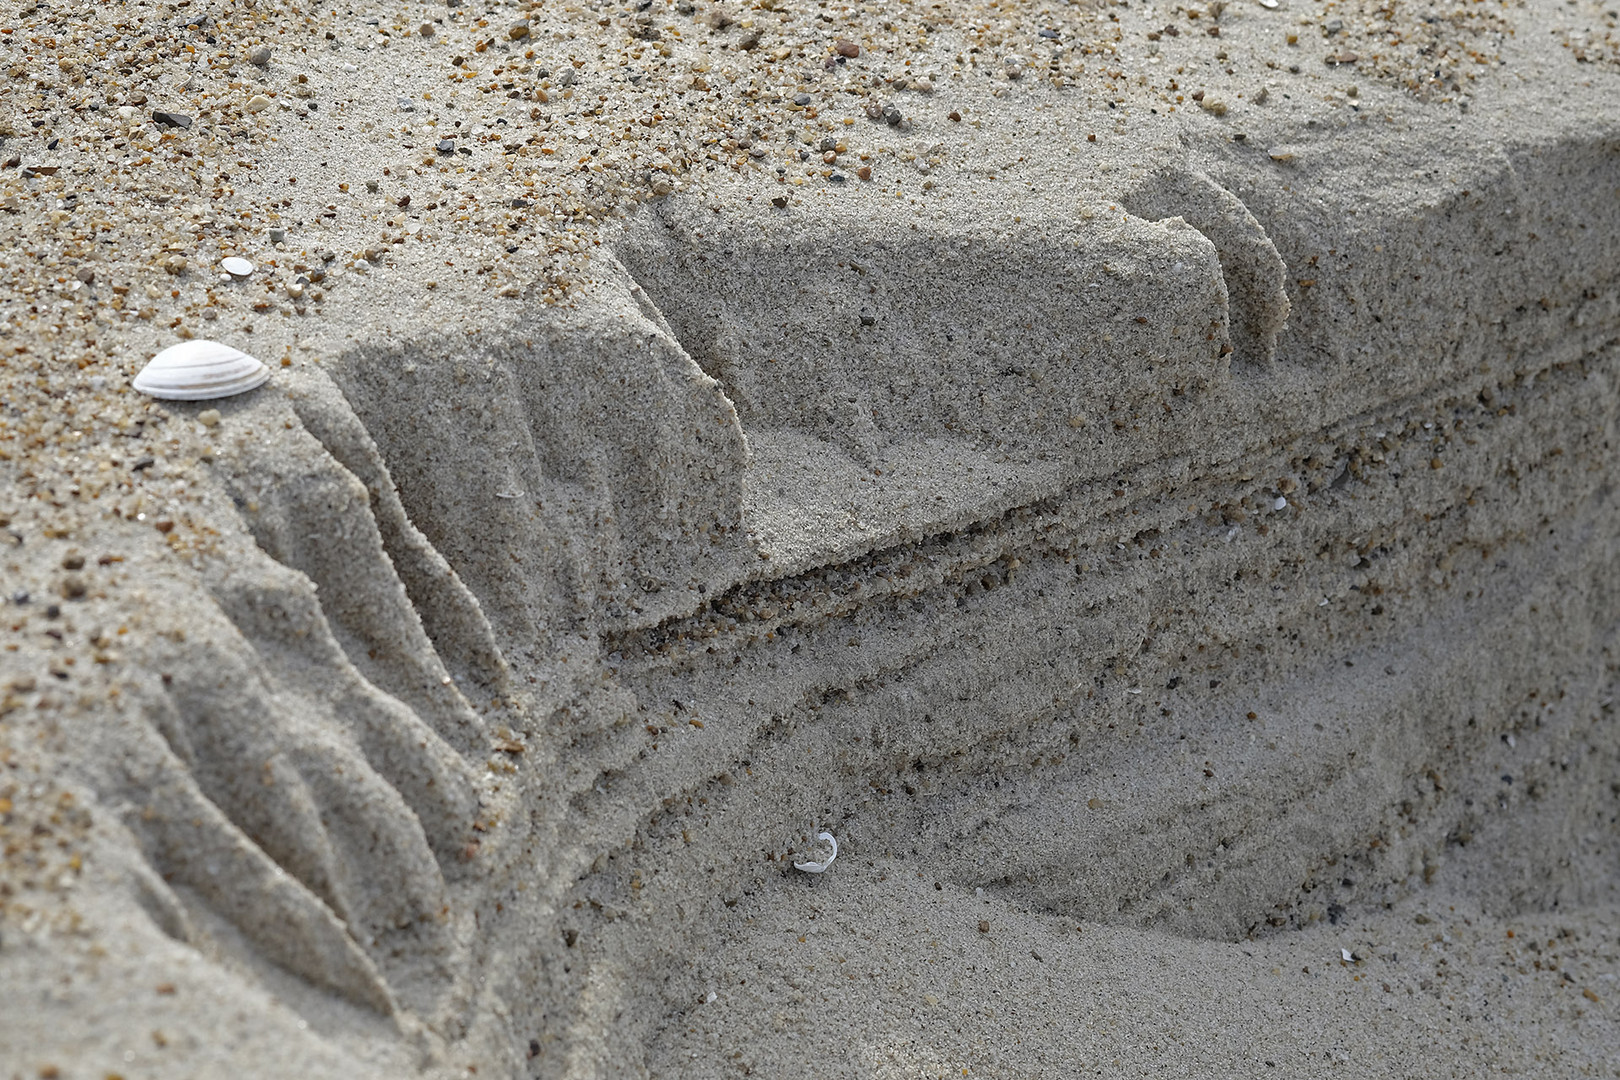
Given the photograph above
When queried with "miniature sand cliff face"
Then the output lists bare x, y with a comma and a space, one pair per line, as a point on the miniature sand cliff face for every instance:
1139, 477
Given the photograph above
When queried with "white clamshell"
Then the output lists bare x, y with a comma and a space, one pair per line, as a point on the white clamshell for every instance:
199, 370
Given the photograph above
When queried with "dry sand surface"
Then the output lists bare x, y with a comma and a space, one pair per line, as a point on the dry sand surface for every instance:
1141, 476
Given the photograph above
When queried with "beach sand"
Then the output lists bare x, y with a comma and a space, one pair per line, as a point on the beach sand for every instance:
1139, 476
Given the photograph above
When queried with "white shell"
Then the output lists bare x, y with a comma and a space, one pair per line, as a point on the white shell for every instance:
820, 867
235, 266
199, 370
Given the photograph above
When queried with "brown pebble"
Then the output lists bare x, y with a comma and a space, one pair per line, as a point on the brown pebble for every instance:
846, 47
956, 116
984, 926
864, 172
73, 588
780, 202
73, 562
518, 31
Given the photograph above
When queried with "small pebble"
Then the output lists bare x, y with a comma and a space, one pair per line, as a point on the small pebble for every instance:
278, 236
236, 266
892, 115
846, 47
208, 417
874, 111
371, 186
446, 146
518, 31
426, 30
172, 120
259, 56
257, 103
801, 100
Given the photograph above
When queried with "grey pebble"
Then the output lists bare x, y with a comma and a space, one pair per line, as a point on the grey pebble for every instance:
173, 120
892, 115
801, 100
446, 146
259, 56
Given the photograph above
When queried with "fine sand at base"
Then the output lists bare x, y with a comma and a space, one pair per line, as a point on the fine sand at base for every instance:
1149, 495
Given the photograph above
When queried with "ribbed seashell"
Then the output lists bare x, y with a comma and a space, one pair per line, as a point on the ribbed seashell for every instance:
198, 370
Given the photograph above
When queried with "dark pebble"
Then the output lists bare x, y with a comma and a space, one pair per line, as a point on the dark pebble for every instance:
1050, 35
892, 115
780, 202
446, 146
173, 120
802, 100
838, 178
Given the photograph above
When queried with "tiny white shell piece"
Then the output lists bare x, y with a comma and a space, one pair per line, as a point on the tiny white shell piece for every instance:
199, 370
820, 867
236, 266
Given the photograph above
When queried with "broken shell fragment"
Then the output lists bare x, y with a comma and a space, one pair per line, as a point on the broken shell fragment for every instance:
199, 370
820, 867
